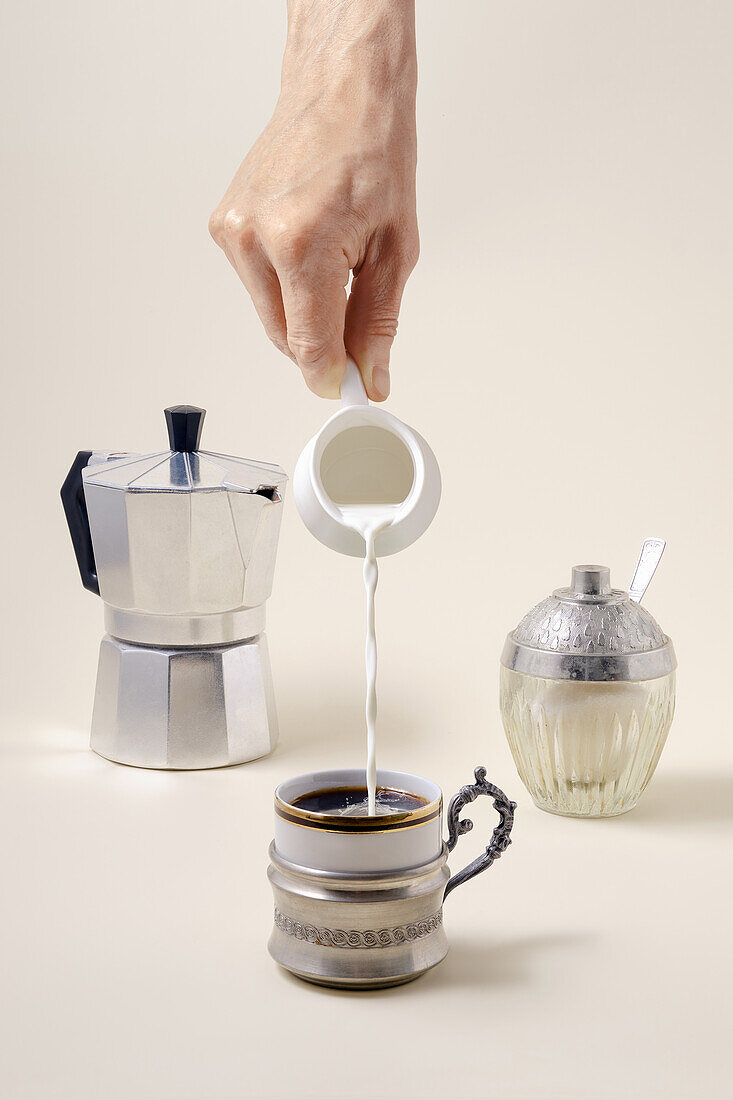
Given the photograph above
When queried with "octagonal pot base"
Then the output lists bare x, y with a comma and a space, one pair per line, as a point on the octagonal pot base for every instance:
183, 709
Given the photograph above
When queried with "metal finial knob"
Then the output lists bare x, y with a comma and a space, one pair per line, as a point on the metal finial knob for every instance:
184, 427
591, 580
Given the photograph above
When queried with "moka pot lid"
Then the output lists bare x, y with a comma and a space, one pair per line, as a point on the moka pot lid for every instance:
185, 468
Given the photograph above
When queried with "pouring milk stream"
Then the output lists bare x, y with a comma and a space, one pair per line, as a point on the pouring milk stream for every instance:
366, 485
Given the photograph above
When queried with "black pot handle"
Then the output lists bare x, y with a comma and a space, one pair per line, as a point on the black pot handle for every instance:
500, 839
75, 507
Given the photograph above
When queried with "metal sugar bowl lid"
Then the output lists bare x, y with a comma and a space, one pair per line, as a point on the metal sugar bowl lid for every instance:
593, 632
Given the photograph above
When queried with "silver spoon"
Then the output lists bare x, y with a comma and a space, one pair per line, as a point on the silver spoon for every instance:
649, 557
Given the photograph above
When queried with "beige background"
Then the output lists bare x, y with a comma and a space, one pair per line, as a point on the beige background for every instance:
565, 347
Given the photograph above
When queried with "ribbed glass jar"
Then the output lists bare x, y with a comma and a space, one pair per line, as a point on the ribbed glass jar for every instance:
586, 749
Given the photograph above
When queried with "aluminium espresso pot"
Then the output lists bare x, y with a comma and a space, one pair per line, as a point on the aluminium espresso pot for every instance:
181, 545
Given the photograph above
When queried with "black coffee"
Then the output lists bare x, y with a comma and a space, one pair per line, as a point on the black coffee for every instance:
354, 802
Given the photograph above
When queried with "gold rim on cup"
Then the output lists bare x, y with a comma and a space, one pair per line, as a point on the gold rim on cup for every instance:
406, 819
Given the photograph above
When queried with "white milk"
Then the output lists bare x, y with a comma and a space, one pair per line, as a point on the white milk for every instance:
368, 472
369, 520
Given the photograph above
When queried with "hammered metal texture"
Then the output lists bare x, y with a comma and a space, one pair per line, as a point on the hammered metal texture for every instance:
590, 628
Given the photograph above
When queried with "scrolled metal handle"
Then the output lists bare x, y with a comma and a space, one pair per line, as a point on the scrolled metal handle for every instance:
500, 839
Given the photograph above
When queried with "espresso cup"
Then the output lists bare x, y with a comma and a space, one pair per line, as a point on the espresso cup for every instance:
359, 899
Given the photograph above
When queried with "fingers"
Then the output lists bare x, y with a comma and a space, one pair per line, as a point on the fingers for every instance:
246, 255
297, 283
374, 306
313, 281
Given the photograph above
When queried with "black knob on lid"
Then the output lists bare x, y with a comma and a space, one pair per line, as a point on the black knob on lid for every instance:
184, 426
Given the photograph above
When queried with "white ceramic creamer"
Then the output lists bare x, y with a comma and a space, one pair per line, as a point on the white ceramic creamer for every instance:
365, 456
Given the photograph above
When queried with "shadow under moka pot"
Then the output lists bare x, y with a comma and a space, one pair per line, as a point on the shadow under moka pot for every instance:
359, 899
181, 547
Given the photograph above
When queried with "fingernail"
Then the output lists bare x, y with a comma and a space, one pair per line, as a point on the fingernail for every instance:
380, 381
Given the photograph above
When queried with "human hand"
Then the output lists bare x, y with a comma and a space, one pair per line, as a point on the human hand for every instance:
329, 189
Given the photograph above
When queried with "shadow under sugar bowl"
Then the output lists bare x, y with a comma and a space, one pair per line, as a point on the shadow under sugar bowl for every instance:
359, 898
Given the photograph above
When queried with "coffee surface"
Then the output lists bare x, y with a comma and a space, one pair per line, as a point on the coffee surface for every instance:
354, 802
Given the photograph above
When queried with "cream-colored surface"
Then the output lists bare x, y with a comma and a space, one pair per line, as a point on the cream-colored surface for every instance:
565, 347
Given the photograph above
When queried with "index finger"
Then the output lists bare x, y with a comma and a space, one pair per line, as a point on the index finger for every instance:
314, 300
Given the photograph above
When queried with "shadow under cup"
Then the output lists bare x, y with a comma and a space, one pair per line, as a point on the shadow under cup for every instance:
359, 899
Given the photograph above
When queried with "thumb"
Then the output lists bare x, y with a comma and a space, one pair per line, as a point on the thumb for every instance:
372, 312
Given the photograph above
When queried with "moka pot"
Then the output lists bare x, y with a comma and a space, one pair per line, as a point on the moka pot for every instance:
181, 546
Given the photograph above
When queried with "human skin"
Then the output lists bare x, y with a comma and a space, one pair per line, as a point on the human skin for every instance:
328, 189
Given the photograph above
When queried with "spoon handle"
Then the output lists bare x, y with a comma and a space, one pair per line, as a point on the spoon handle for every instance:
651, 552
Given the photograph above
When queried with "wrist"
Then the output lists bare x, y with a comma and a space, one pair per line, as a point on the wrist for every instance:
351, 44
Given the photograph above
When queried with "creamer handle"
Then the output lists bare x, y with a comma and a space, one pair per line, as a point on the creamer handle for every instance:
352, 386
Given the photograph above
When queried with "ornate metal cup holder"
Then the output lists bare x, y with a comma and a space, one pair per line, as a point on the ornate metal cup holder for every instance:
367, 930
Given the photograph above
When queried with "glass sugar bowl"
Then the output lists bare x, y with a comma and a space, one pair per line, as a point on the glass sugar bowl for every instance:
588, 693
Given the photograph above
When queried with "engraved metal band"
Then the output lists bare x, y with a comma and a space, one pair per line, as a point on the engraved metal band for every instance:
355, 938
598, 667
